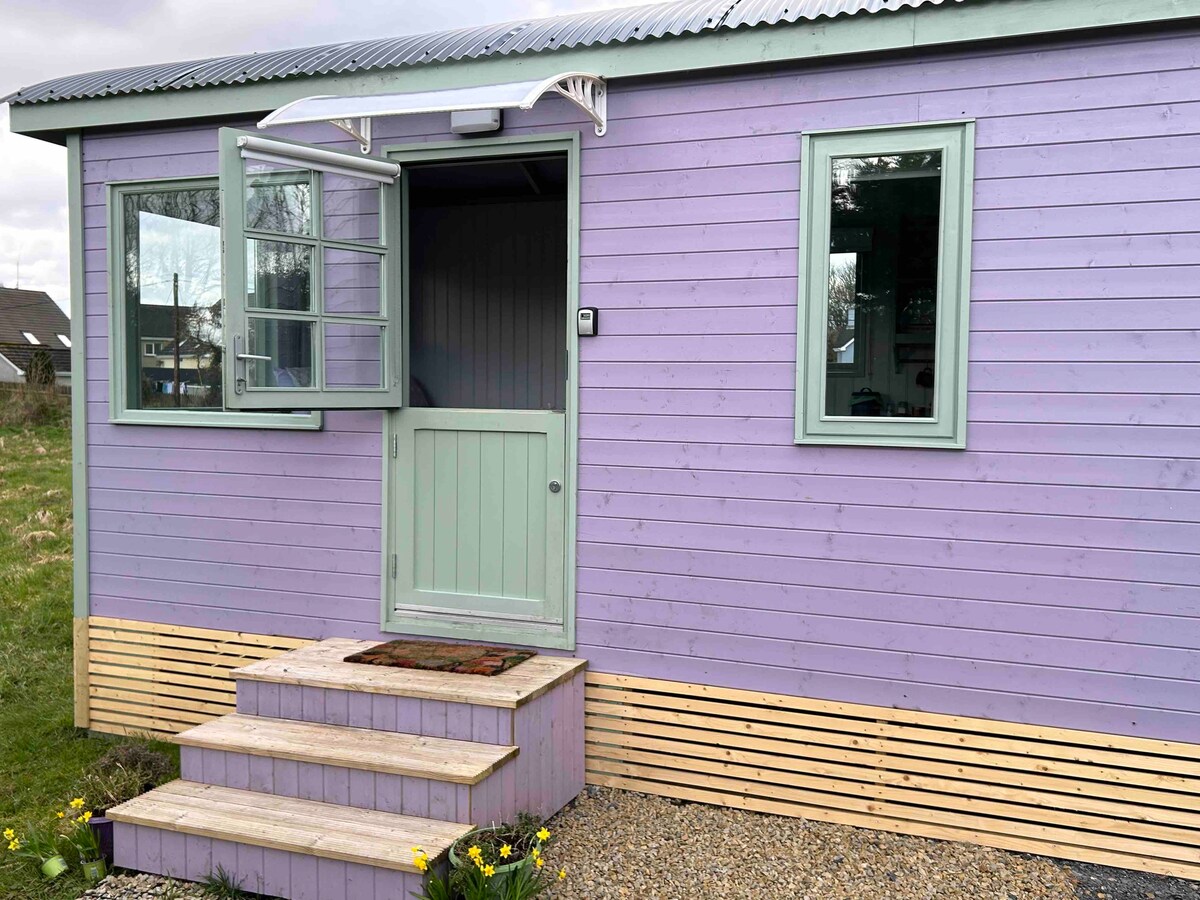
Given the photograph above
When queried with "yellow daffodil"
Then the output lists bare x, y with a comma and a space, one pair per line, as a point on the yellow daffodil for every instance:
474, 853
505, 852
489, 871
416, 850
543, 834
62, 815
539, 862
9, 834
562, 873
14, 844
420, 859
421, 864
77, 803
536, 853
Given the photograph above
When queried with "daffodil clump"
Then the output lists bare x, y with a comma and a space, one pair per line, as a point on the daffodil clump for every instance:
490, 872
70, 829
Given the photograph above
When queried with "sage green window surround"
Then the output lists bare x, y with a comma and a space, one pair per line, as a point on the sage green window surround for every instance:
122, 347
951, 145
555, 635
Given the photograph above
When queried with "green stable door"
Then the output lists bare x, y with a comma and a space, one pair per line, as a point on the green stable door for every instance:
480, 486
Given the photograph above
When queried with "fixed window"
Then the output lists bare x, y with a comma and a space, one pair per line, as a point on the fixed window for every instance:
167, 315
884, 289
30, 337
64, 340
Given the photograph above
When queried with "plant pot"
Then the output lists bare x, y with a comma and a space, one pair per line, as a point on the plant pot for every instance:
501, 871
53, 867
94, 870
103, 827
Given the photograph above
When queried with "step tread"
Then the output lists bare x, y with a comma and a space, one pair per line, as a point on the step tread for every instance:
318, 829
322, 665
393, 753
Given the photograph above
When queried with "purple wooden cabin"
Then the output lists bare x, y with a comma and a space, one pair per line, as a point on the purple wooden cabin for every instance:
825, 373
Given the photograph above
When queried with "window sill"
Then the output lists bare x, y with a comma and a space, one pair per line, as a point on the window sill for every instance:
933, 442
219, 419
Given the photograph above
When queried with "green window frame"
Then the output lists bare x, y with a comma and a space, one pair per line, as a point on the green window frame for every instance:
947, 425
123, 347
243, 314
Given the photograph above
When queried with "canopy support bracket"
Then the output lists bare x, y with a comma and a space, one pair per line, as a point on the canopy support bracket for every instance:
589, 94
361, 132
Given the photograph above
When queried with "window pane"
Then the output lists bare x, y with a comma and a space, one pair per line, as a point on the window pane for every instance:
278, 198
352, 282
883, 276
288, 344
278, 275
172, 279
349, 208
353, 355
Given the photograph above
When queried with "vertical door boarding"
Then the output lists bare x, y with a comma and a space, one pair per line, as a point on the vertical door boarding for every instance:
480, 503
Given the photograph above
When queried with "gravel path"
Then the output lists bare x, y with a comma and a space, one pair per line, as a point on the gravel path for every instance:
618, 845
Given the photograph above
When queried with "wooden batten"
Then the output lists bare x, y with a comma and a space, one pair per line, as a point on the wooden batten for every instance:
148, 678
1099, 798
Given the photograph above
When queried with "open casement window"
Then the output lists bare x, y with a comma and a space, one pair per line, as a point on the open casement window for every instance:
310, 255
884, 287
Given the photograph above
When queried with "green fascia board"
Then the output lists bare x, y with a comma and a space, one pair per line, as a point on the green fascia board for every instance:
926, 26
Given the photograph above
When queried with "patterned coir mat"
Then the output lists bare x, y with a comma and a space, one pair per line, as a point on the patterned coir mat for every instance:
463, 659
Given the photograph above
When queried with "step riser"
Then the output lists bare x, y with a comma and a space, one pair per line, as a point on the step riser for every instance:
278, 873
548, 772
408, 715
493, 799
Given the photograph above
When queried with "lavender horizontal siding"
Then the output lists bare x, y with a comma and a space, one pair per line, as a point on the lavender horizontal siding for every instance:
1047, 574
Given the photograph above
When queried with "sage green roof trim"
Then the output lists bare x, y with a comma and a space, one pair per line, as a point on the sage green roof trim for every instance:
927, 26
79, 473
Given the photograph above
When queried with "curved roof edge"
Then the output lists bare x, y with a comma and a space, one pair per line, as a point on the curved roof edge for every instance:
613, 26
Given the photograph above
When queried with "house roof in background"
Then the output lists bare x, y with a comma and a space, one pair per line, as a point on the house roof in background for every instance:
525, 36
32, 311
20, 354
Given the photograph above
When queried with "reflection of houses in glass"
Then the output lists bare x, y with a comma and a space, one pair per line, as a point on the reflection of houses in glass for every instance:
195, 368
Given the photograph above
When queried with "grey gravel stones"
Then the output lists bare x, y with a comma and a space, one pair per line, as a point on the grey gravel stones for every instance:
143, 887
618, 845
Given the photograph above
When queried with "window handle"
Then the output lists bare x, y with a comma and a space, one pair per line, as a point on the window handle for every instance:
254, 356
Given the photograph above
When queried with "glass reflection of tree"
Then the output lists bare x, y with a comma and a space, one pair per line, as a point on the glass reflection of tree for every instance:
172, 262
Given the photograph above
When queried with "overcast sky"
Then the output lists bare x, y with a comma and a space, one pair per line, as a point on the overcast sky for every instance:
41, 39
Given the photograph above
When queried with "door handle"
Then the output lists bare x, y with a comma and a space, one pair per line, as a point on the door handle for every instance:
555, 487
253, 356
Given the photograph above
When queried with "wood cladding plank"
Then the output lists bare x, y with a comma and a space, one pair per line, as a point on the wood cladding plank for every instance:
1095, 797
163, 679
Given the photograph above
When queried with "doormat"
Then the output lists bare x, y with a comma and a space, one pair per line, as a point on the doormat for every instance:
434, 656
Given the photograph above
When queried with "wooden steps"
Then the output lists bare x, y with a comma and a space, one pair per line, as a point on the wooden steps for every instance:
392, 753
328, 773
322, 665
324, 830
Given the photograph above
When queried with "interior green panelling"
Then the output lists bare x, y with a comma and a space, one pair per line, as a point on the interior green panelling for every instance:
922, 27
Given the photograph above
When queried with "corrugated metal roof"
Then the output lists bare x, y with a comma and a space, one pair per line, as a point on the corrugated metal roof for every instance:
636, 23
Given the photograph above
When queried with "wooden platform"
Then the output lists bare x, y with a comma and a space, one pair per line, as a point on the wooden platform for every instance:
321, 665
324, 830
438, 759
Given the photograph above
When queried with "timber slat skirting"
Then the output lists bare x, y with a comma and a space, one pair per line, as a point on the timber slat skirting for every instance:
148, 678
1108, 799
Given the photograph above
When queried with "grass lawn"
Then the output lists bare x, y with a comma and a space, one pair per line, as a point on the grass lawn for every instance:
42, 754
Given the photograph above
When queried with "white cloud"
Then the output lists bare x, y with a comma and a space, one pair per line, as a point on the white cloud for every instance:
49, 38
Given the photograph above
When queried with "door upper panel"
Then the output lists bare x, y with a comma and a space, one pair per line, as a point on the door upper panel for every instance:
310, 281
